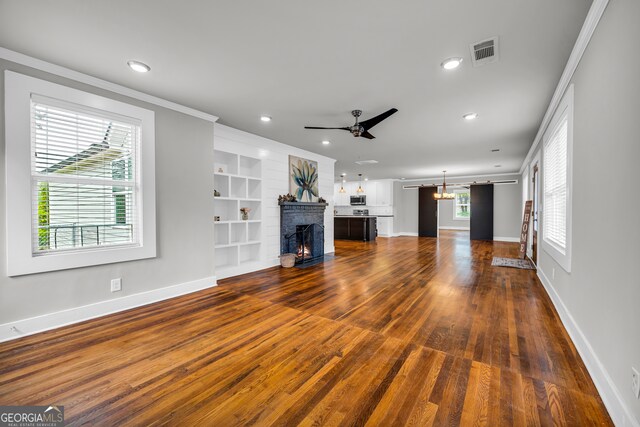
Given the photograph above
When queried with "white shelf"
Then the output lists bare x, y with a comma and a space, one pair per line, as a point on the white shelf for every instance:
235, 175
237, 242
229, 245
251, 242
244, 199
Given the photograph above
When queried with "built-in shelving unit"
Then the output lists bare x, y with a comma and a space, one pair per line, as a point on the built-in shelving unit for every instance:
238, 242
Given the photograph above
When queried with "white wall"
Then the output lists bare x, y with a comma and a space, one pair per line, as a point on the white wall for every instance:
275, 181
184, 159
599, 301
445, 217
507, 209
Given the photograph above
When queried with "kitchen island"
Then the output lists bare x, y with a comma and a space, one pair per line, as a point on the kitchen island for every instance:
355, 227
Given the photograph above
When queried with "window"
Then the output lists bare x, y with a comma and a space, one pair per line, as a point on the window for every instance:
556, 183
462, 207
82, 175
88, 162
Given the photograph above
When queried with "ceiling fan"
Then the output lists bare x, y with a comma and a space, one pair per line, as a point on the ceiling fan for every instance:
362, 128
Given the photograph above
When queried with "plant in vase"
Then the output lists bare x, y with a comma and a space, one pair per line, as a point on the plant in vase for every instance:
245, 213
287, 198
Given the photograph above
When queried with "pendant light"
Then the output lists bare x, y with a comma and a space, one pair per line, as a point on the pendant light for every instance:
360, 189
444, 195
342, 190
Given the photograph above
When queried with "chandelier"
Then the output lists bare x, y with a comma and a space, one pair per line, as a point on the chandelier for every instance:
444, 195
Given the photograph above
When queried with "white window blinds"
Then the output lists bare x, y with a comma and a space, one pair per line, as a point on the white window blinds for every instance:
555, 187
83, 177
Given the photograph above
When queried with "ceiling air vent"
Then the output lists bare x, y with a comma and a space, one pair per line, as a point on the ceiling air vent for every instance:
366, 162
484, 52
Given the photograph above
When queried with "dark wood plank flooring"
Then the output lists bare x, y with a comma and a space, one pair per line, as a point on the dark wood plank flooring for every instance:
401, 331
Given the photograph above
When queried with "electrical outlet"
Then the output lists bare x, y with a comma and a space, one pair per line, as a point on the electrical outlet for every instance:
635, 382
116, 284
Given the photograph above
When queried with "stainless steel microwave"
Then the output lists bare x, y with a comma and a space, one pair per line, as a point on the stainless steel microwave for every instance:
358, 200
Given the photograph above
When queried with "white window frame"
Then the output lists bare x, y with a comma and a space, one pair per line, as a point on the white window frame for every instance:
564, 111
455, 204
20, 258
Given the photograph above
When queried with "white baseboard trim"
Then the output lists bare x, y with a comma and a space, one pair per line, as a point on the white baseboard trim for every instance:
447, 227
620, 413
506, 239
22, 328
404, 234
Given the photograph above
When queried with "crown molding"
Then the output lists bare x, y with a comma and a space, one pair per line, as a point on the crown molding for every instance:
590, 23
77, 76
439, 177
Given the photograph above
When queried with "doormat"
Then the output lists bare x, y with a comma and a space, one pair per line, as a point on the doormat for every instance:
524, 264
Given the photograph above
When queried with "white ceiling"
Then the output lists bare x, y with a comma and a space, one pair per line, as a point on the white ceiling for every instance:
311, 63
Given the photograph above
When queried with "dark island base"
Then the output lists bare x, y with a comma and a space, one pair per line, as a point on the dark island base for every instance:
355, 228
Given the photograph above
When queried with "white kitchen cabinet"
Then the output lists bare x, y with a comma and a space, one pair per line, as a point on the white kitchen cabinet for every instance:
382, 193
385, 226
379, 193
371, 191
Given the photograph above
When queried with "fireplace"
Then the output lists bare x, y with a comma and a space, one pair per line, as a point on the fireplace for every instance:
302, 231
307, 242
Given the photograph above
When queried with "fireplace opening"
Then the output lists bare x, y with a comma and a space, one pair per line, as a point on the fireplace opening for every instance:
304, 251
307, 242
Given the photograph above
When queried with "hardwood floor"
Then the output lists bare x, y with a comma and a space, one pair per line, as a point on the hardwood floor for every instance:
402, 331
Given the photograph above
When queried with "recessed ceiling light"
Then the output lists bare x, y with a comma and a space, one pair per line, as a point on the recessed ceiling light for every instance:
344, 174
138, 66
325, 142
402, 178
265, 118
451, 63
470, 116
366, 179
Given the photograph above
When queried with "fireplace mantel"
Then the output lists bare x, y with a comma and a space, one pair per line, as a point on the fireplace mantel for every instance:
293, 204
293, 214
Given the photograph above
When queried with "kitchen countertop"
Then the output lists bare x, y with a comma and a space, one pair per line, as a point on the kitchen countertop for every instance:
355, 216
362, 216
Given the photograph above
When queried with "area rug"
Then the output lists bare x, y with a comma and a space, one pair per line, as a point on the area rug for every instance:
524, 264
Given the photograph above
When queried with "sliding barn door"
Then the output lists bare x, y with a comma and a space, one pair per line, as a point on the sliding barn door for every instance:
427, 212
482, 212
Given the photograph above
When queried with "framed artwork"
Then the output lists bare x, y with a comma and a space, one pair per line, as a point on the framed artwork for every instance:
303, 179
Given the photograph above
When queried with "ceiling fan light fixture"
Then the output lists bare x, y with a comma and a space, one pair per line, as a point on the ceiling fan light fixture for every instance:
361, 129
451, 63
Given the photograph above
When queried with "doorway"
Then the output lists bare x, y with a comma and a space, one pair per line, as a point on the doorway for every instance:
535, 180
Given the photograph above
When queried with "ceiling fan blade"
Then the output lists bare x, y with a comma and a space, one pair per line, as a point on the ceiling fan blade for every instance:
367, 135
368, 124
317, 127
